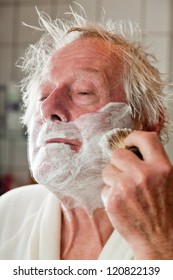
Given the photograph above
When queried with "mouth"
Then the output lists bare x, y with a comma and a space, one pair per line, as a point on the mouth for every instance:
74, 144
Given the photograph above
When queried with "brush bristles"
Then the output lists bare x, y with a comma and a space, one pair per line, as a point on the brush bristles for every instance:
114, 139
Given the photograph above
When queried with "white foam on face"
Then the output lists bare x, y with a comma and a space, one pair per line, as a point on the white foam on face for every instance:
75, 177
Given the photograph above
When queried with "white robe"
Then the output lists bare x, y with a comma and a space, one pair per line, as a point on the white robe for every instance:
30, 227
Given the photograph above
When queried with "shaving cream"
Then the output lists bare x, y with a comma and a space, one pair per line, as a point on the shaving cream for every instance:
74, 177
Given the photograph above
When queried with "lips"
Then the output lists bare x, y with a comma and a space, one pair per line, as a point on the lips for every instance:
75, 144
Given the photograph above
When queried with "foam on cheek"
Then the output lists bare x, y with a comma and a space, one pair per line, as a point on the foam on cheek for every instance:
75, 177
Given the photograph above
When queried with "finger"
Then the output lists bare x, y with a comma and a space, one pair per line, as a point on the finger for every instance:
125, 160
149, 145
110, 175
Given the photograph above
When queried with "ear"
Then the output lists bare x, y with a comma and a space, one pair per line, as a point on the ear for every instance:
157, 126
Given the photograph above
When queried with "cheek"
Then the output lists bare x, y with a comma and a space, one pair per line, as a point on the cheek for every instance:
118, 95
78, 111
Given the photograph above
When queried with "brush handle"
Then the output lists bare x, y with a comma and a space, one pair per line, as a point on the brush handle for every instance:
136, 151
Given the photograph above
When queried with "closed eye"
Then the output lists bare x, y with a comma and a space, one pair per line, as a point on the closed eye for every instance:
84, 93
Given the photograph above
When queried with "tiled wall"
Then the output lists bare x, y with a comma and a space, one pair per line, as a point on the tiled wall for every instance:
155, 17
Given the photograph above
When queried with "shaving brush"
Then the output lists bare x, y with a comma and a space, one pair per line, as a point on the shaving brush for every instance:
114, 139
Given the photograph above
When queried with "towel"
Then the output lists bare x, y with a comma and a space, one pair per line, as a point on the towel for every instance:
30, 227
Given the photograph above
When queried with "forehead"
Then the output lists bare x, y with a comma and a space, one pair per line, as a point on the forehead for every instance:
81, 46
89, 53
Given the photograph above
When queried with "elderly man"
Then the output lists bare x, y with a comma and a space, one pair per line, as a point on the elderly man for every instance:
83, 81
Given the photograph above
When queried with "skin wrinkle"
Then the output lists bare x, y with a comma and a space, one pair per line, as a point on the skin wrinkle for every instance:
73, 237
128, 211
157, 199
131, 198
146, 203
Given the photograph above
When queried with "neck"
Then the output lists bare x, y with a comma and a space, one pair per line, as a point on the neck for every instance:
83, 234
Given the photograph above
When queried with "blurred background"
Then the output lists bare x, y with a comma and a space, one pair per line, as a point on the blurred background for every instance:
154, 16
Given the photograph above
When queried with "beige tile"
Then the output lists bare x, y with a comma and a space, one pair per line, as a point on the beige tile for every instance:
169, 145
29, 15
160, 47
7, 2
123, 9
20, 154
21, 177
90, 8
6, 23
4, 157
171, 59
5, 65
18, 52
158, 15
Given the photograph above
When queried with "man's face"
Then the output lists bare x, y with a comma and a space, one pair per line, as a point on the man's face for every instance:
80, 79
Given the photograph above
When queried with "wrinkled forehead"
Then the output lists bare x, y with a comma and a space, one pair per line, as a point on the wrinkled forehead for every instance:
89, 45
93, 53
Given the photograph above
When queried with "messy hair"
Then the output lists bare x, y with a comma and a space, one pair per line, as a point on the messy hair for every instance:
144, 89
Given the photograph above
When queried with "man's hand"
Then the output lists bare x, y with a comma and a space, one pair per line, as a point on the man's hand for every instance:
138, 196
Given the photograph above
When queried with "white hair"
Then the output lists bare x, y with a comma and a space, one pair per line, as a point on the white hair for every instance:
145, 91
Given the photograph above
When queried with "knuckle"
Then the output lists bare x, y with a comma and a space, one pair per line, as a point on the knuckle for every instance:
119, 198
148, 176
153, 134
115, 202
143, 177
166, 169
150, 136
123, 190
143, 133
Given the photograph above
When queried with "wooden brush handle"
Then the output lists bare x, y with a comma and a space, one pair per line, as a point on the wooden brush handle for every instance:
136, 151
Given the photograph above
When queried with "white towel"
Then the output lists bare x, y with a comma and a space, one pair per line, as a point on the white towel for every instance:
30, 227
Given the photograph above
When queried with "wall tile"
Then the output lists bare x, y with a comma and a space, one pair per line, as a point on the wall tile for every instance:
8, 2
28, 15
16, 73
4, 149
158, 15
20, 154
123, 9
21, 177
171, 59
34, 2
6, 23
169, 145
5, 68
13, 161
160, 47
90, 9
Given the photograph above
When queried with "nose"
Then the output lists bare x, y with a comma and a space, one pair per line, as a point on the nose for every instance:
54, 107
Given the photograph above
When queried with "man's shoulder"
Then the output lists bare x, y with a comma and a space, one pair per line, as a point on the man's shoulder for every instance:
19, 209
27, 189
24, 212
29, 197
